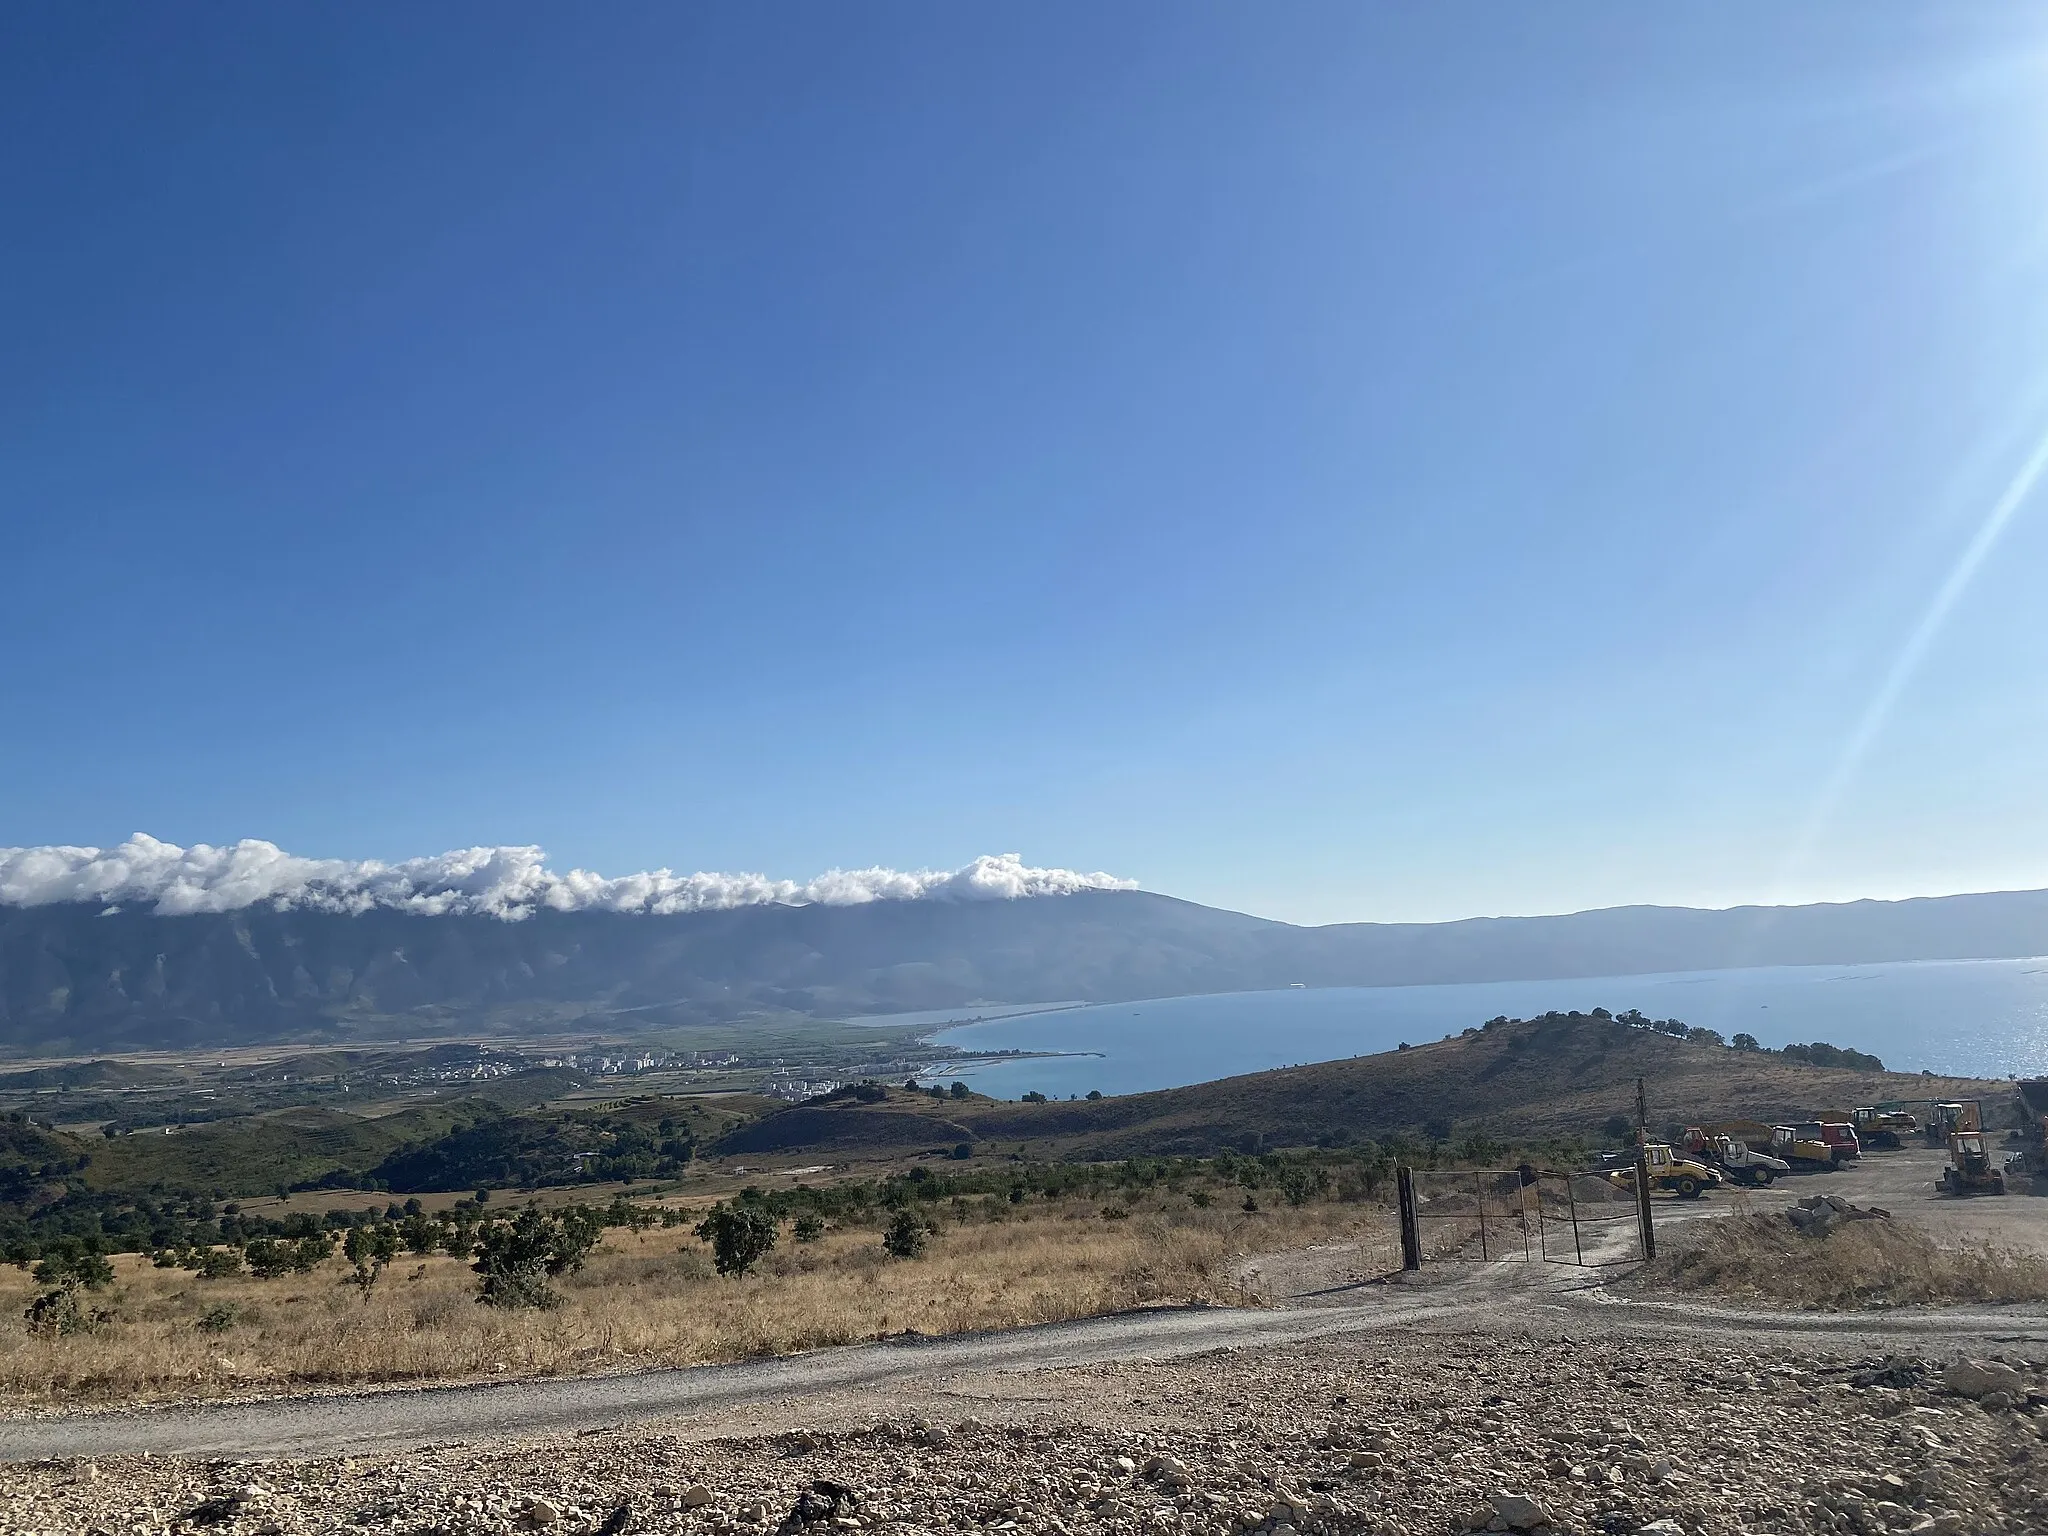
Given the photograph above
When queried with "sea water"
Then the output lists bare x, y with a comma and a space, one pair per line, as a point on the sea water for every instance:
1980, 1018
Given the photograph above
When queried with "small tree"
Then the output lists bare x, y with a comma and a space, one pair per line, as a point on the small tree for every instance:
809, 1227
217, 1263
905, 1235
739, 1235
369, 1249
67, 1270
516, 1258
268, 1258
311, 1252
74, 1266
961, 1091
1745, 1042
58, 1312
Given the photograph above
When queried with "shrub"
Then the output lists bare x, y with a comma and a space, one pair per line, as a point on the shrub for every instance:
59, 1312
218, 1319
74, 1266
369, 1249
311, 1251
217, 1263
904, 1237
739, 1235
268, 1258
517, 1258
809, 1227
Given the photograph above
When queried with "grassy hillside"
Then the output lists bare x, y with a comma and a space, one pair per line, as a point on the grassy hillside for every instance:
1535, 1080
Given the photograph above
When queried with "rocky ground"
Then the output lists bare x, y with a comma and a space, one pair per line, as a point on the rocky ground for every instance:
1407, 1431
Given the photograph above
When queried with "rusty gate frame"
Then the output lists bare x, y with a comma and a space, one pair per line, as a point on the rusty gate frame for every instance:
1518, 1219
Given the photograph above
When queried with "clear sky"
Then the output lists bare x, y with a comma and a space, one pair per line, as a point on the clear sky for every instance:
1328, 460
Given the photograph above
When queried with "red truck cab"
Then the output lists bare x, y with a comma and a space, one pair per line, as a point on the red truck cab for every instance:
1841, 1139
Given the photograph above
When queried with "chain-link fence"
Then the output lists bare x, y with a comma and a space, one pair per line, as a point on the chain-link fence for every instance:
1481, 1215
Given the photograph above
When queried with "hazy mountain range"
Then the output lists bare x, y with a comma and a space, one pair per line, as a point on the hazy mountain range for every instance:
77, 975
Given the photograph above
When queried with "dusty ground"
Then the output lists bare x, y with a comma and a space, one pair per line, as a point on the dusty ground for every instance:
1903, 1183
1415, 1430
1423, 1408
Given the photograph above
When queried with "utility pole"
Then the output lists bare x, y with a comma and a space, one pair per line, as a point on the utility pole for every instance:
1644, 1225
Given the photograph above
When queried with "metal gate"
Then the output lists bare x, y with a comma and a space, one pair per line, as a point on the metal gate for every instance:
1479, 1215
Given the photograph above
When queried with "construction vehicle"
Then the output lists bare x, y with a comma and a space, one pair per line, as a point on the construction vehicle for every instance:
1670, 1171
1803, 1147
1842, 1141
1949, 1118
1883, 1126
1753, 1134
1742, 1163
1969, 1170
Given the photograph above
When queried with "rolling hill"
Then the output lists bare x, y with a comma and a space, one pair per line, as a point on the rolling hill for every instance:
1532, 1080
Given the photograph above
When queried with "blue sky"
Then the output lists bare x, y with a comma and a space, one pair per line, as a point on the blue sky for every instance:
1333, 461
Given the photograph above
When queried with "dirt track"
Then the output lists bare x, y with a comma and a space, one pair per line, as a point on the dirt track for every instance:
1317, 1293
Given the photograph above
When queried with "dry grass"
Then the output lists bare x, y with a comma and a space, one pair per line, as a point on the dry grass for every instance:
643, 1299
1860, 1264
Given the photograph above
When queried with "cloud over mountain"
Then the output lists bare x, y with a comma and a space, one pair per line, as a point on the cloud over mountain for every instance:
508, 883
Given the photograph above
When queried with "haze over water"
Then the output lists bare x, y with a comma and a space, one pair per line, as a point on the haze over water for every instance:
1984, 1018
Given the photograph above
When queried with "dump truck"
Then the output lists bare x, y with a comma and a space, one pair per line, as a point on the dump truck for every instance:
1884, 1126
1843, 1144
1670, 1171
1969, 1170
1753, 1134
1803, 1147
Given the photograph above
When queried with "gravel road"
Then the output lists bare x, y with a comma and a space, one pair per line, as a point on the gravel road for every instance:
1317, 1291
1511, 1396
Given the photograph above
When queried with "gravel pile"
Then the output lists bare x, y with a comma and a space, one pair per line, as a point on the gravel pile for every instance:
1406, 1432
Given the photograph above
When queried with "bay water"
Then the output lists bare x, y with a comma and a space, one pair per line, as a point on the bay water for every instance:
1981, 1018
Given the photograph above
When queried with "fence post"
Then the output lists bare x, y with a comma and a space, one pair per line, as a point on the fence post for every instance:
1571, 1201
1645, 1227
1411, 1233
1479, 1183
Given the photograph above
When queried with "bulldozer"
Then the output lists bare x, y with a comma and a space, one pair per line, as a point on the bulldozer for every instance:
1970, 1170
1883, 1126
1670, 1171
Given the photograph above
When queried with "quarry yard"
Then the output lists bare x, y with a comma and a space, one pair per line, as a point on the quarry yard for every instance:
1904, 1183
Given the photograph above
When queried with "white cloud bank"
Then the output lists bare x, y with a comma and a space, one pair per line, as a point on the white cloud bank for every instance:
509, 883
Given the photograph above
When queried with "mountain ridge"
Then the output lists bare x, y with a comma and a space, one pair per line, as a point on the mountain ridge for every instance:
76, 976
